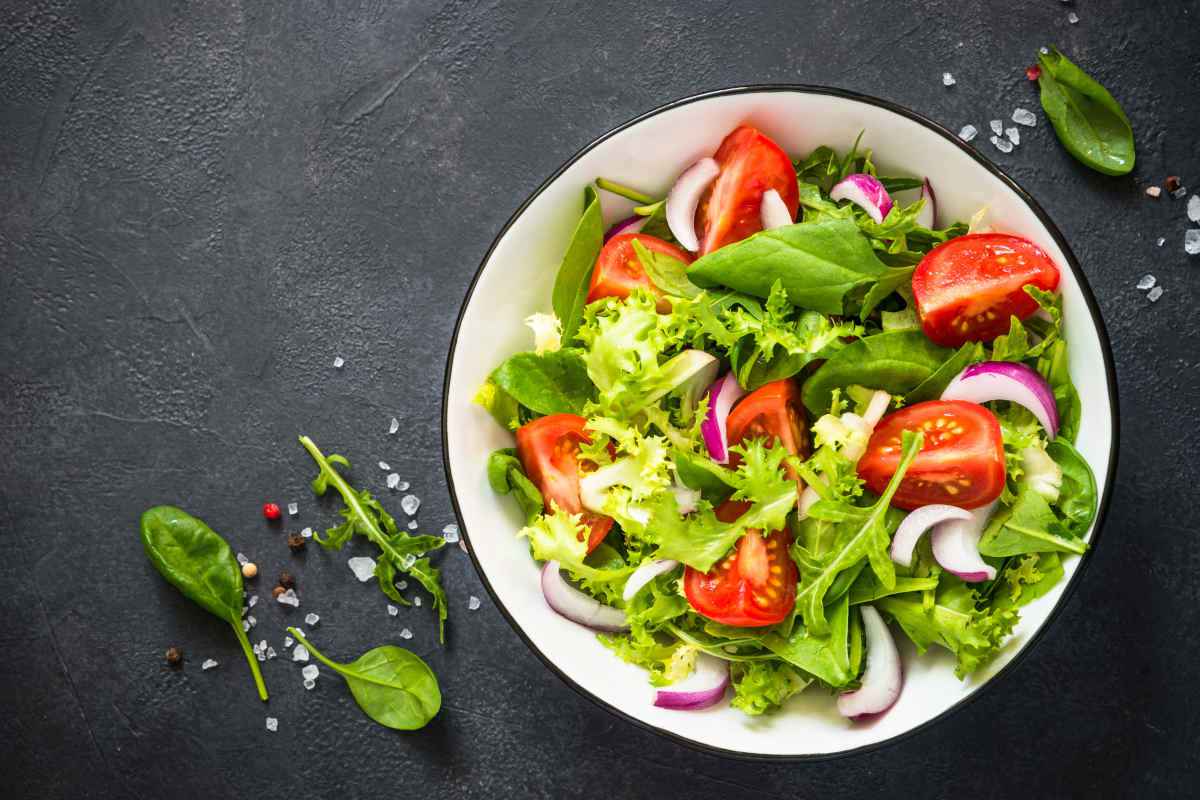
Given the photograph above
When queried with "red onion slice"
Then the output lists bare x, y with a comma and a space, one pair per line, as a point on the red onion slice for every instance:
883, 677
683, 199
866, 192
1007, 380
773, 212
916, 523
646, 572
927, 217
703, 688
956, 546
721, 397
576, 606
628, 225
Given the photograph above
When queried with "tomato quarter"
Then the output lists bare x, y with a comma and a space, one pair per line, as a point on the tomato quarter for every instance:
960, 464
773, 412
549, 448
619, 271
969, 287
753, 586
729, 209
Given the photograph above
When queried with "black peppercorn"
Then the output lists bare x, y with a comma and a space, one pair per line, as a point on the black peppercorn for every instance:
174, 657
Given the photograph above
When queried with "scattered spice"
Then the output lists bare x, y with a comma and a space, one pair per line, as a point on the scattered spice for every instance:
296, 542
286, 580
249, 569
1153, 191
1034, 72
278, 590
1172, 183
271, 511
174, 657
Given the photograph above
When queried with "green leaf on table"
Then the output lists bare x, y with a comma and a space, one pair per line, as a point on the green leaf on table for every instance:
1091, 125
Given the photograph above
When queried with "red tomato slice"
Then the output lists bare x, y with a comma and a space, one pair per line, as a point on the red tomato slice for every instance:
772, 412
755, 585
548, 448
618, 270
729, 209
961, 463
967, 288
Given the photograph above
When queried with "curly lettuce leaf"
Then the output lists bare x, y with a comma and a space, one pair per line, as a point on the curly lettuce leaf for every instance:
561, 536
762, 686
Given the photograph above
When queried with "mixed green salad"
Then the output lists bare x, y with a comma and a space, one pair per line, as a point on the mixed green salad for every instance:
753, 399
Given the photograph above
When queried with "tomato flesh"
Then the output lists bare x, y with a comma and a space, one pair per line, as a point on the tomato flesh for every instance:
753, 586
967, 288
961, 462
548, 448
772, 412
751, 164
618, 270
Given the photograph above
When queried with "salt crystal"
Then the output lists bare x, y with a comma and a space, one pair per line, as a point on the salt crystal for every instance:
1013, 135
472, 603
1193, 208
311, 619
250, 622
263, 645
253, 601
1191, 242
310, 685
968, 133
405, 634
948, 79
1023, 116
395, 426
1154, 294
1153, 191
271, 652
300, 653
997, 126
293, 509
1161, 241
363, 567
417, 602
450, 533
289, 598
310, 672
392, 610
1003, 145
402, 585
407, 560
412, 526
209, 663
288, 641
272, 724
306, 533
383, 465
339, 362
1045, 50
260, 655
1179, 193
393, 480
1073, 18
241, 557
245, 625
409, 504
1145, 282
402, 486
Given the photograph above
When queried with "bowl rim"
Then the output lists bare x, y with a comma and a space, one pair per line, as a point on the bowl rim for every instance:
1093, 310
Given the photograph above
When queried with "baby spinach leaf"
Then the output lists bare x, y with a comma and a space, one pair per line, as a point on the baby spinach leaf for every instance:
667, 273
507, 476
897, 362
1052, 365
575, 272
391, 685
932, 387
1090, 124
817, 263
199, 562
556, 382
1077, 498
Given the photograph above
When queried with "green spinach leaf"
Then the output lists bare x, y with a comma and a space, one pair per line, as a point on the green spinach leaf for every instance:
556, 382
897, 362
667, 273
506, 475
575, 272
1077, 499
1090, 124
890, 281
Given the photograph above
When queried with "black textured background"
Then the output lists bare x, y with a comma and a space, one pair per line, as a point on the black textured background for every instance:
201, 205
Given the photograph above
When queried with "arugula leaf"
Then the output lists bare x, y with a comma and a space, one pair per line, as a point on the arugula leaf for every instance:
1091, 125
762, 686
575, 272
868, 589
818, 263
1030, 526
506, 475
667, 273
555, 382
823, 655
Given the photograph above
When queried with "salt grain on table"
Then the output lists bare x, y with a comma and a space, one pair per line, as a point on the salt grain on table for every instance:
251, 621
271, 652
383, 465
1023, 116
412, 526
253, 601
417, 602
405, 634
1161, 241
300, 653
402, 486
402, 585
472, 603
1003, 145
392, 610
997, 126
968, 133
311, 619
393, 480
293, 509
288, 641
450, 533
1145, 282
1154, 294
245, 625
306, 533
289, 598
395, 426
1013, 135
1073, 18
241, 558
363, 567
1193, 208
948, 79
339, 362
209, 663
409, 504
310, 685
310, 672
1191, 242
272, 724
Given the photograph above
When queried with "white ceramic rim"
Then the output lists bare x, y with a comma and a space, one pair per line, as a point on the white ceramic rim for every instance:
1110, 381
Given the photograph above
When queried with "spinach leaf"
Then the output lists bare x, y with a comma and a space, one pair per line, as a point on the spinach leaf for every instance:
556, 382
1030, 526
897, 362
824, 656
391, 685
1090, 124
817, 263
656, 221
1052, 365
932, 387
894, 185
198, 562
667, 273
1077, 498
365, 516
575, 272
507, 476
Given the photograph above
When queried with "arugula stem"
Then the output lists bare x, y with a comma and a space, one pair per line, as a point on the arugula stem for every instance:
250, 659
718, 651
624, 191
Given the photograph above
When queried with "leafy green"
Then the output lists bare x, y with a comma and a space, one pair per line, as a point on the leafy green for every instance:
818, 263
197, 561
500, 404
1054, 367
656, 221
507, 475
1077, 500
888, 282
555, 382
762, 686
1091, 125
391, 685
1027, 578
867, 588
623, 191
823, 655
1030, 526
575, 272
897, 362
698, 471
667, 273
365, 516
932, 387
561, 536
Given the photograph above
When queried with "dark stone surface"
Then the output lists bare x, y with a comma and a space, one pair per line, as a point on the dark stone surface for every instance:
201, 205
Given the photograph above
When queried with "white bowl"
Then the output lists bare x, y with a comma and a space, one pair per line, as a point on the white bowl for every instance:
515, 280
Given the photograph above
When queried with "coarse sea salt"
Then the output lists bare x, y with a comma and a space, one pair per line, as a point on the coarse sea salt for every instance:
209, 663
293, 509
417, 602
402, 486
393, 481
1013, 135
405, 633
948, 79
1023, 116
241, 559
288, 598
310, 672
409, 504
1161, 241
339, 362
300, 653
1154, 294
1191, 242
997, 126
272, 724
1073, 18
251, 621
363, 567
288, 641
450, 533
252, 602
1193, 208
968, 133
383, 465
271, 652
306, 533
1003, 145
412, 526
472, 603
392, 610
393, 427
310, 685
311, 619
1146, 282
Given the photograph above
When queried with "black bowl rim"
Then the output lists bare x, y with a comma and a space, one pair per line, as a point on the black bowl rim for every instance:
1093, 308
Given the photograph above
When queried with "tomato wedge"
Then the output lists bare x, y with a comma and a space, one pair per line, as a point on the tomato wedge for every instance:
755, 585
729, 209
548, 448
961, 463
618, 270
968, 288
773, 412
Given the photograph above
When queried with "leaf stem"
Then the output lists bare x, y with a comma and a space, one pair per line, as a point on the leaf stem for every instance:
319, 656
250, 659
624, 191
